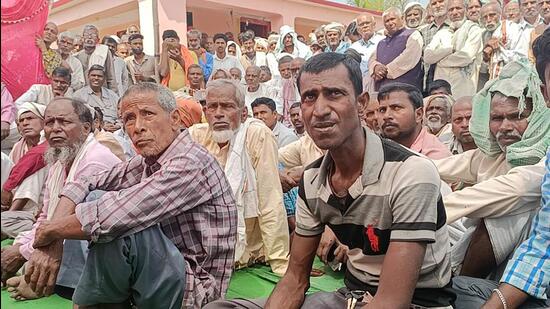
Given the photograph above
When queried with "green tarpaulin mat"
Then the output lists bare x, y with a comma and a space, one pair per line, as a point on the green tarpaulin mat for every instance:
253, 282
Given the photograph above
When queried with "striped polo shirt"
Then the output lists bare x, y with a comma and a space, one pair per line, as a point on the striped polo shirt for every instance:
396, 198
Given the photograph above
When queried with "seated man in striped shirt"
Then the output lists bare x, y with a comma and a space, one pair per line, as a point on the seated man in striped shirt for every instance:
163, 233
380, 199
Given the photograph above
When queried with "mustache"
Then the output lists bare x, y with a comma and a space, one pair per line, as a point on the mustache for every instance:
514, 134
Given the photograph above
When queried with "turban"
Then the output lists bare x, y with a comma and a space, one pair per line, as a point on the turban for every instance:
190, 111
273, 38
35, 108
334, 27
262, 42
449, 101
517, 79
412, 5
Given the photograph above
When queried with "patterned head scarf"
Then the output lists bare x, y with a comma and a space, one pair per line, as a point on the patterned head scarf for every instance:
518, 79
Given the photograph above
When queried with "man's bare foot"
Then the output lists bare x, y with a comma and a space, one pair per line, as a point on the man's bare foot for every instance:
19, 289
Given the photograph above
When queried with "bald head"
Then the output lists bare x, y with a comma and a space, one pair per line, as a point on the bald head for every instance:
365, 26
252, 77
512, 12
50, 33
393, 20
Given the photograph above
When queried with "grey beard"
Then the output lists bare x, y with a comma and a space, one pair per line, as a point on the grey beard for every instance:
64, 155
434, 126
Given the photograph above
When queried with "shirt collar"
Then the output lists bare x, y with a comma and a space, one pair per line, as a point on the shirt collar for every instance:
373, 161
177, 147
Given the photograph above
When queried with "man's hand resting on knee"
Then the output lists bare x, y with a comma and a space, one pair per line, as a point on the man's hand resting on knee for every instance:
43, 266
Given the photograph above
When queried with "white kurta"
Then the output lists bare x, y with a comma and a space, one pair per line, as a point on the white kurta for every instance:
458, 57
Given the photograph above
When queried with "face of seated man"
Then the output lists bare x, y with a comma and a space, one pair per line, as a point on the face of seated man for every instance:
64, 131
150, 127
506, 122
437, 114
400, 121
223, 113
265, 114
29, 126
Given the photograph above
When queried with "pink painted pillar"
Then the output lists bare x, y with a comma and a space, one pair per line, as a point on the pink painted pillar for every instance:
172, 14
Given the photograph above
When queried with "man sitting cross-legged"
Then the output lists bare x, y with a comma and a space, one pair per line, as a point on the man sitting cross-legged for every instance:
72, 153
380, 199
247, 150
163, 233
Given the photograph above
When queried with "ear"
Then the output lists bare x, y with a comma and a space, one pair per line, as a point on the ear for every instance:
176, 119
419, 114
244, 114
545, 93
87, 127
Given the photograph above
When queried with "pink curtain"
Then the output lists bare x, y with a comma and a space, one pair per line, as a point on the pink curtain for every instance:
21, 59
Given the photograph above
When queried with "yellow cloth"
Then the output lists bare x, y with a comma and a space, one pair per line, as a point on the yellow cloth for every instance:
300, 153
177, 75
497, 190
266, 235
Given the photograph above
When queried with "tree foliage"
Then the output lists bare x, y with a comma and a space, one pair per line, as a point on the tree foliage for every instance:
378, 5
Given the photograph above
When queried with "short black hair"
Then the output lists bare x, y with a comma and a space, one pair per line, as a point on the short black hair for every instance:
440, 83
354, 54
414, 94
326, 61
264, 101
220, 36
98, 114
295, 104
541, 50
108, 39
62, 72
135, 36
96, 67
246, 36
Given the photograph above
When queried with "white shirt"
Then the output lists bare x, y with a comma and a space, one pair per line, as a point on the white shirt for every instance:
41, 94
77, 73
366, 49
283, 135
263, 91
121, 74
227, 63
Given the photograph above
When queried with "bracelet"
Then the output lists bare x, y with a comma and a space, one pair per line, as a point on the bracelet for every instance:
502, 299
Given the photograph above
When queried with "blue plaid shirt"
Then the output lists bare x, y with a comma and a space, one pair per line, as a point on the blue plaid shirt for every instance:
529, 269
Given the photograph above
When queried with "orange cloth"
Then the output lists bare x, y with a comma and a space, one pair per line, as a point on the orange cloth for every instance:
189, 58
190, 111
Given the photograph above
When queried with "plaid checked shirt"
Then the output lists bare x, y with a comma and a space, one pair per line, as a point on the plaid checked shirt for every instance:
187, 193
529, 269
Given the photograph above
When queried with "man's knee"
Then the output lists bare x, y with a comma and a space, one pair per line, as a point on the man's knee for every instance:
472, 292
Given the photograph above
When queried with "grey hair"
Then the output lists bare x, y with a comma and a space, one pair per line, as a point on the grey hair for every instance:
67, 34
393, 9
194, 32
165, 97
90, 27
219, 83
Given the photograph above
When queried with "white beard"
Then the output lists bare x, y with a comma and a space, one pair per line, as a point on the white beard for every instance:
65, 154
223, 136
434, 125
457, 24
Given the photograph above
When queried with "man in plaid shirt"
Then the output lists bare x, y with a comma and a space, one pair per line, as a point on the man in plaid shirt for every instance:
163, 234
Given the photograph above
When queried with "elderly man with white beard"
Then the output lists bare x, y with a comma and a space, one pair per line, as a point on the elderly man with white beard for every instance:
247, 150
72, 153
414, 14
501, 40
457, 51
510, 127
437, 116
